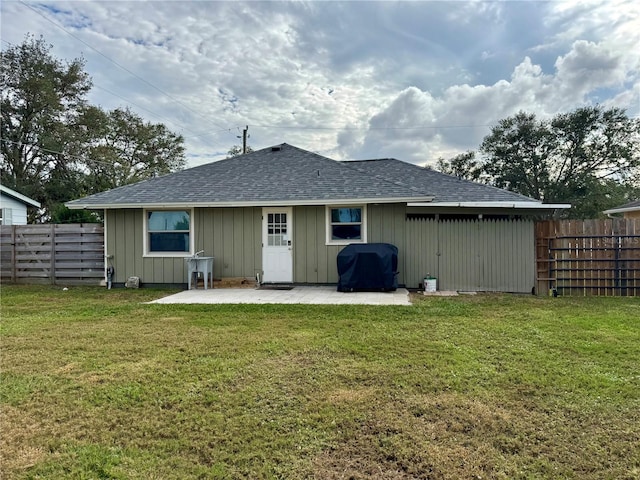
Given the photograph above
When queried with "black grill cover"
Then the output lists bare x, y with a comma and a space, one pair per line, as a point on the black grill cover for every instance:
369, 266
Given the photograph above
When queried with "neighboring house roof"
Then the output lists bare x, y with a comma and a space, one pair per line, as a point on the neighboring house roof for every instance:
287, 175
19, 197
633, 206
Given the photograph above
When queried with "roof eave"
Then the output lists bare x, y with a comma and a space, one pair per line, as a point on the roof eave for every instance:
18, 196
75, 205
622, 210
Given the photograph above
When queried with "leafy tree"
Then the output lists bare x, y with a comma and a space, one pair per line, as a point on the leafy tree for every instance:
463, 165
61, 214
56, 147
589, 157
125, 149
40, 97
237, 150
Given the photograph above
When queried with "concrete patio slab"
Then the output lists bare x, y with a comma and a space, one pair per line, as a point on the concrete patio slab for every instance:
316, 295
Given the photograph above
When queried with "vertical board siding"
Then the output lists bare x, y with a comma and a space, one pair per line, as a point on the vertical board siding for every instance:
589, 257
421, 252
69, 254
471, 255
231, 235
313, 260
316, 262
386, 224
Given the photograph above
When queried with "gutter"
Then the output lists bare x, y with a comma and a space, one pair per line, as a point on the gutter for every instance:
519, 205
621, 210
76, 205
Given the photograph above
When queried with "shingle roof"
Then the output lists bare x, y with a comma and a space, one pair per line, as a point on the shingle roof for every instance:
445, 188
627, 207
284, 174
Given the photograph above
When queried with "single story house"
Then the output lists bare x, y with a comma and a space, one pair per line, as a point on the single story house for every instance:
282, 214
628, 210
13, 207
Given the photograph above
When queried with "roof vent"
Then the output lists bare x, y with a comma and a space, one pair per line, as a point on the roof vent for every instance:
276, 149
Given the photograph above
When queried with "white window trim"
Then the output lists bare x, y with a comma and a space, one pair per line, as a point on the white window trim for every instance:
145, 235
327, 215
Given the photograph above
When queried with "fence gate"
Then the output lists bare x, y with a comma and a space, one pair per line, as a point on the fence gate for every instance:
588, 257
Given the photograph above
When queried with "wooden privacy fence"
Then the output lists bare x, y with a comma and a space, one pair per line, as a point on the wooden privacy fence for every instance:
71, 254
588, 257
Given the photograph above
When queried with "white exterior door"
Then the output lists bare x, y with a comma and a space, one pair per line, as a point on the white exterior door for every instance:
277, 245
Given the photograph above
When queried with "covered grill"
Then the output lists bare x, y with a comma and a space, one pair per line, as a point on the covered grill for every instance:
369, 266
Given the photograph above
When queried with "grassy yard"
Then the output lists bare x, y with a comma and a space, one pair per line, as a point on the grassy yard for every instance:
96, 384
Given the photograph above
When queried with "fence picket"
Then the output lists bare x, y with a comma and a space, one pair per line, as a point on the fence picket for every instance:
589, 257
70, 254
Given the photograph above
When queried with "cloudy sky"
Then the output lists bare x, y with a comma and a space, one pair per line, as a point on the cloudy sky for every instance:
349, 80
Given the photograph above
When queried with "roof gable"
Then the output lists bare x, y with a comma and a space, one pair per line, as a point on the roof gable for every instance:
19, 197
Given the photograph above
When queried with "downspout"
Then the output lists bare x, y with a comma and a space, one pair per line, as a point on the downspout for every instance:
104, 241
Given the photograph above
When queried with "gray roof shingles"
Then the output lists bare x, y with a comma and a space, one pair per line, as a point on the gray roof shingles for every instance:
632, 205
445, 188
289, 174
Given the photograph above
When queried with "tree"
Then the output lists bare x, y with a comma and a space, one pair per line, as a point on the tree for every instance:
62, 214
56, 147
463, 165
40, 97
589, 157
575, 157
237, 150
124, 149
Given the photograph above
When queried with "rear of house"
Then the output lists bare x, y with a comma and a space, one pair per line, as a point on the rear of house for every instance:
283, 214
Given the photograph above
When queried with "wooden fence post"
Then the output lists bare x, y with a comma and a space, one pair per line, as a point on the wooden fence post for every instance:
52, 260
13, 253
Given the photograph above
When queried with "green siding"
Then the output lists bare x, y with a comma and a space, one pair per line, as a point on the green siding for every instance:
472, 255
313, 260
232, 236
480, 255
387, 225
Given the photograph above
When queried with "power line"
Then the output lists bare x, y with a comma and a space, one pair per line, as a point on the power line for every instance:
418, 127
48, 150
119, 65
182, 127
162, 116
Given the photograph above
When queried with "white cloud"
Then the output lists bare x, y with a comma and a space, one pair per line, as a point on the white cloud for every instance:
457, 120
347, 79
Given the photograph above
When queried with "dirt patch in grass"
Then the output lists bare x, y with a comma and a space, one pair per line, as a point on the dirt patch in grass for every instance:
16, 441
449, 436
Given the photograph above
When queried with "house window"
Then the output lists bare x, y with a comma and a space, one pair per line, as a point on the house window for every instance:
346, 224
167, 232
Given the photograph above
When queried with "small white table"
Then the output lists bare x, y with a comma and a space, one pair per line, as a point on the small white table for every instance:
200, 264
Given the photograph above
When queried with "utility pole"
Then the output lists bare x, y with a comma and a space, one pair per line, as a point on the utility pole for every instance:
244, 139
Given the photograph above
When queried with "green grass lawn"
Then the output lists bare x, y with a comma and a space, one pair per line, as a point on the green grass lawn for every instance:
96, 384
